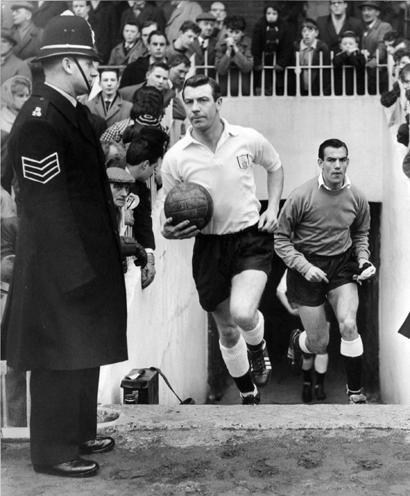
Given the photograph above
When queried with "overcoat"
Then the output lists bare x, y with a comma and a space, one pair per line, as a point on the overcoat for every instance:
120, 109
67, 306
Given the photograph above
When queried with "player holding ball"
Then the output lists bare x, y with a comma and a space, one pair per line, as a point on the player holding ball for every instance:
233, 252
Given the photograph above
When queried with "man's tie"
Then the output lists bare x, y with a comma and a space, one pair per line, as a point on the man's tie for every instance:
107, 105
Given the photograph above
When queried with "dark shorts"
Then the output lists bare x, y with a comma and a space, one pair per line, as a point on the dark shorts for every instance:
339, 269
217, 258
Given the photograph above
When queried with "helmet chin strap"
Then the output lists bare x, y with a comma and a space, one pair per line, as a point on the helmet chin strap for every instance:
82, 73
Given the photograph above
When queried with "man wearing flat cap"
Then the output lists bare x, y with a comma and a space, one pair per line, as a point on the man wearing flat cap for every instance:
372, 42
10, 64
204, 46
66, 314
24, 31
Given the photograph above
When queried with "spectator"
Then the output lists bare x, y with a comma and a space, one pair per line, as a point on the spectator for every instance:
10, 64
175, 113
131, 48
108, 103
271, 46
317, 362
15, 379
146, 148
185, 10
24, 31
142, 11
204, 46
395, 99
403, 131
349, 66
184, 43
46, 10
234, 57
120, 183
336, 23
147, 110
103, 20
312, 52
146, 29
372, 44
135, 73
157, 75
81, 8
218, 10
14, 93
394, 42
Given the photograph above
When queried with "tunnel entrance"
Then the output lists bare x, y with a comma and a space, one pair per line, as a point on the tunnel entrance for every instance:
285, 385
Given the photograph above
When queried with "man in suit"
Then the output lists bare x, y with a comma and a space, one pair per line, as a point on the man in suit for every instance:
26, 34
373, 45
336, 23
108, 103
66, 312
204, 45
185, 10
131, 46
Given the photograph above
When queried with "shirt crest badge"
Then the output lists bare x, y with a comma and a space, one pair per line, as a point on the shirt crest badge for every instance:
244, 161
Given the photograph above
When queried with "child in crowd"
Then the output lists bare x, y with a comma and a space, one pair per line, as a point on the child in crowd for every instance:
312, 53
349, 66
271, 46
317, 362
234, 57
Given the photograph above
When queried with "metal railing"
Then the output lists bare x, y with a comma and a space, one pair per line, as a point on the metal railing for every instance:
322, 79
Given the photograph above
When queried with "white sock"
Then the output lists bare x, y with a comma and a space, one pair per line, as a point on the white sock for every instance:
302, 343
255, 335
321, 361
351, 348
236, 358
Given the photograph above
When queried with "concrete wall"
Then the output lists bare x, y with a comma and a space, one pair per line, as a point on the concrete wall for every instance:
394, 275
166, 326
296, 127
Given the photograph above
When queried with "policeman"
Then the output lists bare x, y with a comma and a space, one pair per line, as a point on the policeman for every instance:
67, 310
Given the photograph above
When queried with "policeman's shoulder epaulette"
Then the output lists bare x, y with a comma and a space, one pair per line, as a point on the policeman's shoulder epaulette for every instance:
38, 107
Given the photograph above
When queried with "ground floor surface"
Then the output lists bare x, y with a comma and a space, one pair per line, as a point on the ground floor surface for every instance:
273, 450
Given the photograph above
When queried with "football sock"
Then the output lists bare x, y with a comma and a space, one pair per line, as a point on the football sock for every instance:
352, 352
321, 362
236, 358
302, 343
320, 378
254, 337
307, 377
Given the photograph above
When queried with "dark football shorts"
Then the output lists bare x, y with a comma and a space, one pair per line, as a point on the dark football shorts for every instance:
217, 258
339, 269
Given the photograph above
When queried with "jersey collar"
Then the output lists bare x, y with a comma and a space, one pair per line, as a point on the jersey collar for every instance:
321, 183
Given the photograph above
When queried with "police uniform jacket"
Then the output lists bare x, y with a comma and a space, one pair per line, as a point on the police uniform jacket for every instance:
67, 307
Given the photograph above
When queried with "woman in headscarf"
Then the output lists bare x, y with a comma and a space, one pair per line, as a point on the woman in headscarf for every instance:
14, 93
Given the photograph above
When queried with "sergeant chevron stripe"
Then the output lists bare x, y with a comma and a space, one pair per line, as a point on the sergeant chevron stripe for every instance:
41, 171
